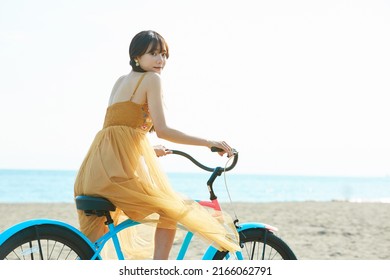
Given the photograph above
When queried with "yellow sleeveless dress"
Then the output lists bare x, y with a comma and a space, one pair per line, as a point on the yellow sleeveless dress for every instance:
121, 166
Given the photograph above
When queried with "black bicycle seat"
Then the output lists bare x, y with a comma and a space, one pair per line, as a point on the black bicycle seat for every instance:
92, 205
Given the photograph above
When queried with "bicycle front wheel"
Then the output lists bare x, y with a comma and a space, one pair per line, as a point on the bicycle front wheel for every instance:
260, 244
45, 242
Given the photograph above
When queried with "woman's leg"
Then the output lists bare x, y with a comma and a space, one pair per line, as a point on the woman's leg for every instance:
163, 241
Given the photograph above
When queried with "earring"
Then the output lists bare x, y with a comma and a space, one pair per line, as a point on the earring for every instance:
136, 63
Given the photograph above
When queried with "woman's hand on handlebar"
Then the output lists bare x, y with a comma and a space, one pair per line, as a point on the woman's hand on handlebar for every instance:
160, 150
225, 148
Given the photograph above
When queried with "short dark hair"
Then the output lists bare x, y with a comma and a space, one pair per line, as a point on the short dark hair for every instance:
140, 44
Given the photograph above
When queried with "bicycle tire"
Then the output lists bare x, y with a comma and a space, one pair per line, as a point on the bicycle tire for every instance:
253, 247
45, 242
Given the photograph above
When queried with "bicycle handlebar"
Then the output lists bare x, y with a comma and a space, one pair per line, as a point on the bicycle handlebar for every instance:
204, 167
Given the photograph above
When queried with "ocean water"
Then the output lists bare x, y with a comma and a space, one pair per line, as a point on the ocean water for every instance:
18, 186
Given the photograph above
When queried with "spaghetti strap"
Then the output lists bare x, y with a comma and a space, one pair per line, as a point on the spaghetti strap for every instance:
136, 87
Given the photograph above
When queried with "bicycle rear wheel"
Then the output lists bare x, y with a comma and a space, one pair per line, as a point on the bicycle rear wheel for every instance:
260, 244
45, 242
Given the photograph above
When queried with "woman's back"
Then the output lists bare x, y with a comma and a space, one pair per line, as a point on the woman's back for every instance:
123, 110
129, 87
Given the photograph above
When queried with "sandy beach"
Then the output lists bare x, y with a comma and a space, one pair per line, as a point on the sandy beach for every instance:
314, 230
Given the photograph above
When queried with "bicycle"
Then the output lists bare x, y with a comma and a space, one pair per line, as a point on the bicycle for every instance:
51, 239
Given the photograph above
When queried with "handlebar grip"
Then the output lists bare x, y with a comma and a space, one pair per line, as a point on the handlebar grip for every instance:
216, 149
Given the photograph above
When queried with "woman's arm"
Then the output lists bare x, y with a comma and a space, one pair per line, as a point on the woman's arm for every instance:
160, 150
156, 109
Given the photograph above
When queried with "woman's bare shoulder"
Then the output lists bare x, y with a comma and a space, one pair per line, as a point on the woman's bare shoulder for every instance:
119, 81
152, 76
152, 80
118, 84
121, 78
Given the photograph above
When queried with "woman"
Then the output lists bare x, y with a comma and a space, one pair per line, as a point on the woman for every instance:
121, 164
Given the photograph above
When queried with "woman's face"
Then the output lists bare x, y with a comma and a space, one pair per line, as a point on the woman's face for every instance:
153, 61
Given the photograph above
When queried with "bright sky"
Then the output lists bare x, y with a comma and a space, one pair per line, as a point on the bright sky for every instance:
297, 87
